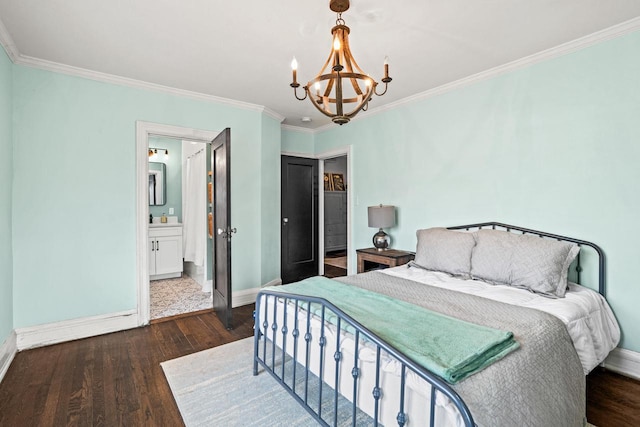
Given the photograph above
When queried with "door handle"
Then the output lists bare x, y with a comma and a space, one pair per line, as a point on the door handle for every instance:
285, 221
227, 234
157, 245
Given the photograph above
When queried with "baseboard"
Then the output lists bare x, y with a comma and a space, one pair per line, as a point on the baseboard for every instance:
68, 330
8, 350
274, 282
248, 296
625, 362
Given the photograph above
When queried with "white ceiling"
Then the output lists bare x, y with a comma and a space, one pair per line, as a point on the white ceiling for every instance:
242, 50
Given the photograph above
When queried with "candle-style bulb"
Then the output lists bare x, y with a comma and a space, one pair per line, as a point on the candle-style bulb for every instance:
294, 68
317, 86
386, 69
336, 44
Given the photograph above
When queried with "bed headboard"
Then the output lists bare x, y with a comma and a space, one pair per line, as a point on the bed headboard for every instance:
542, 234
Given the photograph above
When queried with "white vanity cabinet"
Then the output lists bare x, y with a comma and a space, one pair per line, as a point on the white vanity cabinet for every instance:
165, 251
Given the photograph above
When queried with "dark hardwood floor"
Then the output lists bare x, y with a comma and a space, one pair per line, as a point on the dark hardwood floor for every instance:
116, 379
110, 380
612, 399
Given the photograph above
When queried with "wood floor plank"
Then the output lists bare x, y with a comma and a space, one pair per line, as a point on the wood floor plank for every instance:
152, 387
116, 379
96, 403
199, 335
612, 399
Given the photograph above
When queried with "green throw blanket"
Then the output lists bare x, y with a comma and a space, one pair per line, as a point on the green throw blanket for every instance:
446, 346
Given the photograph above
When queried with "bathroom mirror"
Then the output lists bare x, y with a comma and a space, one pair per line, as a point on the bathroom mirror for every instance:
157, 184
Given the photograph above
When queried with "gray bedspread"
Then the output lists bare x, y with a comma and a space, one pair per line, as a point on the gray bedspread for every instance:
541, 384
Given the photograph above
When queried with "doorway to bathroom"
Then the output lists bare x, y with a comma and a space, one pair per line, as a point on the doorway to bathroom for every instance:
164, 229
180, 201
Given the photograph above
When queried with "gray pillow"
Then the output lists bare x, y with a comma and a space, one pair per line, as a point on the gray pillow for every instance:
491, 257
523, 261
445, 250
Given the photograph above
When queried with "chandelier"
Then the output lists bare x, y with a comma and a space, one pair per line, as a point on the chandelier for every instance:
341, 89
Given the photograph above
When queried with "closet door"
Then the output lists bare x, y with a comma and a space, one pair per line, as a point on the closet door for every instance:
299, 227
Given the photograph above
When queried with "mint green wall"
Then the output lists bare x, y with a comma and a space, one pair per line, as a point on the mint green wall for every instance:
173, 166
270, 203
297, 141
74, 235
554, 146
6, 177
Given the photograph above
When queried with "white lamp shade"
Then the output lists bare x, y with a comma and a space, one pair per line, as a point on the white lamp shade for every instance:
382, 216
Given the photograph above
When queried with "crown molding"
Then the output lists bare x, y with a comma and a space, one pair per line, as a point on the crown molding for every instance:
125, 81
292, 128
615, 31
139, 84
7, 43
273, 114
610, 33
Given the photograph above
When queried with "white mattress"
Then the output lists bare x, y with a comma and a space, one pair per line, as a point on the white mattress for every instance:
589, 319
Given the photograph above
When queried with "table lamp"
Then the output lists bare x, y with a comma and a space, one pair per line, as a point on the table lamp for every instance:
381, 217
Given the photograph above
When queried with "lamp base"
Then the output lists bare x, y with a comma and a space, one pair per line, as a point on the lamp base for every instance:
381, 240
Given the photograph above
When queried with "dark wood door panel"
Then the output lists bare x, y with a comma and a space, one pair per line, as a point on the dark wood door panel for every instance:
299, 258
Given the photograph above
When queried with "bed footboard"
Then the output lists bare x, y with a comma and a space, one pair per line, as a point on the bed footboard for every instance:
341, 373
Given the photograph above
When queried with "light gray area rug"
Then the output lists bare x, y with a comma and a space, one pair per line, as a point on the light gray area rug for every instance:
216, 387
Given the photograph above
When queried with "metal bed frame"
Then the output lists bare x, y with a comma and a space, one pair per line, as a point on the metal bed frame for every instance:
270, 344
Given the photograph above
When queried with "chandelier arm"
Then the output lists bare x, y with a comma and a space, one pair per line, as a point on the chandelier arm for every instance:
386, 86
295, 93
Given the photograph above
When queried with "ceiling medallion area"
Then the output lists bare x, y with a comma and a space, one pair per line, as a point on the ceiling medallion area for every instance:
341, 89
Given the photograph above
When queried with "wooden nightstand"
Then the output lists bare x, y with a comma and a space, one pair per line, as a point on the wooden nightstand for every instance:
371, 258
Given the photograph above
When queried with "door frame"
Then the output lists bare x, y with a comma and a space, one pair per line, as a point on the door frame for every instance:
143, 131
321, 157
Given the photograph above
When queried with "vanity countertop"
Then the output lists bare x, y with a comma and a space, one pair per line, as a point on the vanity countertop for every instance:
165, 224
